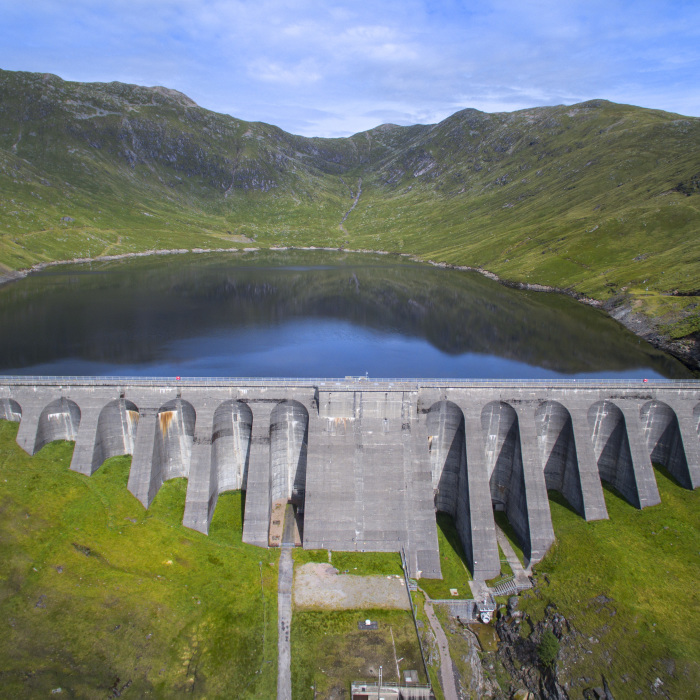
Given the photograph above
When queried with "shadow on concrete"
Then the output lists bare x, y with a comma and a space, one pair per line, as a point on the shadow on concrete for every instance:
611, 491
501, 519
660, 470
557, 498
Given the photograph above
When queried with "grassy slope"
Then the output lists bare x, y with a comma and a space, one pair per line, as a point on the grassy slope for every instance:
96, 593
138, 170
576, 209
647, 563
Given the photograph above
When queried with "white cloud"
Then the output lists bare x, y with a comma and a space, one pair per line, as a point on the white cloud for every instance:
304, 72
324, 67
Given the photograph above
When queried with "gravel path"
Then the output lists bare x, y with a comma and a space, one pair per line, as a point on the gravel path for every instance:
447, 676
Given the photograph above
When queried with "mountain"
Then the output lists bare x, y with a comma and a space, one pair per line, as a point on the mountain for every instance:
598, 199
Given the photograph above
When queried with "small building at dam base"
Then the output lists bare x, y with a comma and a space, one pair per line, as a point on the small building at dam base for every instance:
367, 464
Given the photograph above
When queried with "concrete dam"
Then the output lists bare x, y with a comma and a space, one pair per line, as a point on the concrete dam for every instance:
367, 464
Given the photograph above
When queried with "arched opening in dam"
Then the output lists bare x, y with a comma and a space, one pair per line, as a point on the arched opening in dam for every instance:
116, 431
10, 410
446, 444
233, 423
172, 451
504, 463
59, 420
289, 432
664, 442
448, 468
557, 447
612, 449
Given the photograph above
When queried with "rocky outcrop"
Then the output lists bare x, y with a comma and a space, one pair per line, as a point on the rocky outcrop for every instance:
686, 349
519, 655
12, 276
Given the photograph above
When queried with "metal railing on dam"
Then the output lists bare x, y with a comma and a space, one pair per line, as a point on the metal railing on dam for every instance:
349, 382
369, 461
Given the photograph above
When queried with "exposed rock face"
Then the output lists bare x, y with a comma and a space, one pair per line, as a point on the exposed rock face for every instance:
686, 349
519, 655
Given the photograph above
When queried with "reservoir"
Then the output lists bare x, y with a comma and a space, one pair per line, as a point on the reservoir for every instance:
305, 314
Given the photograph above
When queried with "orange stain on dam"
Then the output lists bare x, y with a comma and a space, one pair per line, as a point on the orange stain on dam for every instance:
165, 418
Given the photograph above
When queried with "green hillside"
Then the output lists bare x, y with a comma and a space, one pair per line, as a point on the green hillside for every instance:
99, 596
597, 198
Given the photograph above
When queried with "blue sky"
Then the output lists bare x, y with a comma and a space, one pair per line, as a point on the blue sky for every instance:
332, 68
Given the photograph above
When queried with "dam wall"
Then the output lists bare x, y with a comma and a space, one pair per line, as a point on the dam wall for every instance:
367, 464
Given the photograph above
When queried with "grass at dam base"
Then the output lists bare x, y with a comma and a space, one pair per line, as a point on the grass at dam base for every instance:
629, 587
99, 596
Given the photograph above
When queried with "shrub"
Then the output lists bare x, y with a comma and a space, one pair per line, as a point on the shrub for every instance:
548, 649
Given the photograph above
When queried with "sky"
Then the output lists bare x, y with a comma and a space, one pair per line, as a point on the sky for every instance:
336, 67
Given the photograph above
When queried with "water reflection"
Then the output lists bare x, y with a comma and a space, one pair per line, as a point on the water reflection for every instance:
304, 314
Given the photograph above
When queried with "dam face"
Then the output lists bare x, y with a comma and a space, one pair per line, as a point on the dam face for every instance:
367, 464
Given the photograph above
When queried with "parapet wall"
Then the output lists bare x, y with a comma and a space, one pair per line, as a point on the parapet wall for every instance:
368, 463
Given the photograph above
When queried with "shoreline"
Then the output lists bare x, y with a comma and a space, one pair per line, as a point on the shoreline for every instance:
637, 323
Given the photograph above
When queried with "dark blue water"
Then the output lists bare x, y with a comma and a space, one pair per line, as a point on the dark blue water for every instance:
306, 315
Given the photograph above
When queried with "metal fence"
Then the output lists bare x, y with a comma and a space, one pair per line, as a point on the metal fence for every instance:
371, 689
411, 383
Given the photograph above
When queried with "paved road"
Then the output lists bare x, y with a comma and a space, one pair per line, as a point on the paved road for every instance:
447, 677
284, 622
284, 618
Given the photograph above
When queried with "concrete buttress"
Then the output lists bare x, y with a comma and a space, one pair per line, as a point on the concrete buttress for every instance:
682, 455
647, 490
423, 551
594, 507
202, 491
26, 435
85, 444
145, 477
480, 544
691, 446
541, 532
256, 522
